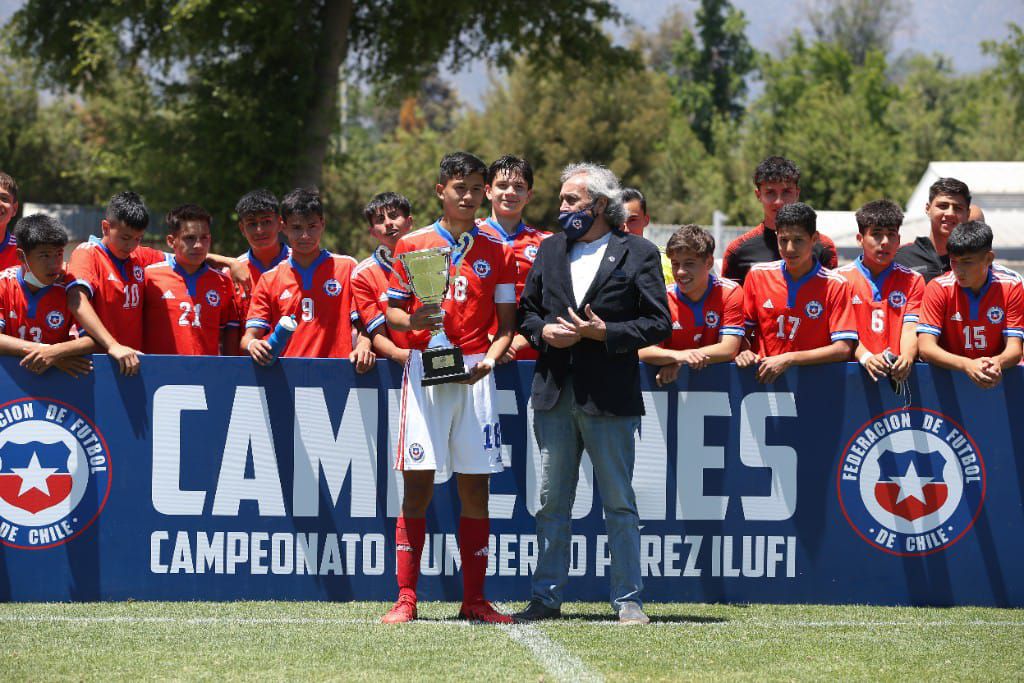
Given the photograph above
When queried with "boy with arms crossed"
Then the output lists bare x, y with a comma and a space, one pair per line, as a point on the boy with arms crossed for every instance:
885, 296
510, 189
35, 321
189, 308
972, 319
389, 216
798, 309
313, 285
706, 310
453, 427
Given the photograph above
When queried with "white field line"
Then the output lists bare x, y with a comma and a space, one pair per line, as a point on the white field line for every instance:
529, 630
555, 659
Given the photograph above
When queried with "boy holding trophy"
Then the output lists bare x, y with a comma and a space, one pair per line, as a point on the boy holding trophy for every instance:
454, 280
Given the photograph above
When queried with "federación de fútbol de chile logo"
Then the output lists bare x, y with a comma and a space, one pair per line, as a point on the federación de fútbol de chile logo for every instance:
54, 473
911, 482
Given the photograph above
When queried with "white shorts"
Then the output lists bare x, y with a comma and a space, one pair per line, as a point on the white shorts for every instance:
448, 427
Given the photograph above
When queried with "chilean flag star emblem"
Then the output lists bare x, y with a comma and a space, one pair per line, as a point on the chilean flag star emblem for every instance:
34, 476
910, 485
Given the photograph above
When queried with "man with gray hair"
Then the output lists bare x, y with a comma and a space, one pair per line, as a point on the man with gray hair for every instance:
594, 296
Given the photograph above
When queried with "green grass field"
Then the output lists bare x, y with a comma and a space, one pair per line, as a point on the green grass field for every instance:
327, 641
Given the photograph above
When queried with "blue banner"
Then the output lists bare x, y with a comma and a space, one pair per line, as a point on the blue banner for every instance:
214, 479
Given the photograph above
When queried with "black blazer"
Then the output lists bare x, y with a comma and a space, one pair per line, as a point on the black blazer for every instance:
628, 293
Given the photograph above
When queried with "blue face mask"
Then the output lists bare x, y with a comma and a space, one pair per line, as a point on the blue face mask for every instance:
575, 224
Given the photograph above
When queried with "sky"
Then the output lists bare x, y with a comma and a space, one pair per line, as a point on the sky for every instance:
928, 27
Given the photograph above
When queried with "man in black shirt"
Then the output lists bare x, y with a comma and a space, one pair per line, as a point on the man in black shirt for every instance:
949, 201
776, 183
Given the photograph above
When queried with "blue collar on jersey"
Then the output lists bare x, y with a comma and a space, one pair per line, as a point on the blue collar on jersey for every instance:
32, 299
877, 282
190, 280
974, 300
697, 307
443, 232
307, 273
501, 231
793, 286
120, 263
262, 267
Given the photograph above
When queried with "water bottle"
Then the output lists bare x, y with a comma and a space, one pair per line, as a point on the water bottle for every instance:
279, 338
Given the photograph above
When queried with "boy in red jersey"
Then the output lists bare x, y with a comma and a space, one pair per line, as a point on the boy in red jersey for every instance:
8, 210
189, 308
972, 319
313, 285
510, 189
885, 296
389, 216
706, 310
776, 184
34, 317
109, 271
798, 309
453, 427
259, 221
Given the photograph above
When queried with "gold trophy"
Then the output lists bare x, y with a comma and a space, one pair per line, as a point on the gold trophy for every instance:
428, 271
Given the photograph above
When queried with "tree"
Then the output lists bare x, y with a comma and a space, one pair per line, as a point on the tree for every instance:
858, 26
709, 75
264, 75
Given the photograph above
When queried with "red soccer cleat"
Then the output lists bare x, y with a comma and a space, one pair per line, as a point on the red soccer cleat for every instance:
483, 612
403, 611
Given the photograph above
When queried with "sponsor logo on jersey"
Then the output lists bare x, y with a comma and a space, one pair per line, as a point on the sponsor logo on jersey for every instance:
711, 319
212, 297
332, 287
481, 267
897, 299
995, 315
956, 317
112, 277
768, 304
814, 309
856, 299
54, 473
54, 320
286, 294
168, 294
530, 252
416, 452
137, 272
911, 482
676, 325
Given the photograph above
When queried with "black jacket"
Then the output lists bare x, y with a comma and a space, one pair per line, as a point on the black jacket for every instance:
920, 256
628, 293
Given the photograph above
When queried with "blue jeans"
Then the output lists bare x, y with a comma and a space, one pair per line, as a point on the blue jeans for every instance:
562, 434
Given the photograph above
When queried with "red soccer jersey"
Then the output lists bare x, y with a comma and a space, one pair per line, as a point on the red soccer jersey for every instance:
256, 270
881, 305
797, 315
115, 286
320, 298
972, 325
184, 314
702, 323
480, 278
42, 316
524, 243
370, 292
9, 249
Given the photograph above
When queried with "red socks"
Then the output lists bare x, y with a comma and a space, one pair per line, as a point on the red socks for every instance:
474, 535
409, 535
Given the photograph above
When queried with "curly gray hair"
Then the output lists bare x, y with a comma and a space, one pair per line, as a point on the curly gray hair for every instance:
600, 183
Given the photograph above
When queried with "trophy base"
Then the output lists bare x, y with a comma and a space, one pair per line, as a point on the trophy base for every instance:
443, 365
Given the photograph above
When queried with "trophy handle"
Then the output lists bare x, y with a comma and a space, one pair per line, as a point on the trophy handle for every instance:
463, 245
